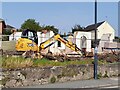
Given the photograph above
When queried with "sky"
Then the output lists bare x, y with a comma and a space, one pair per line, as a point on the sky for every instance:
63, 15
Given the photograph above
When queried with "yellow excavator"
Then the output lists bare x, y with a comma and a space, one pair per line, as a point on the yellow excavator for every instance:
29, 42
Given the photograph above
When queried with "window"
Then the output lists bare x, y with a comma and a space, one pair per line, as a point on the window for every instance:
59, 44
30, 35
83, 42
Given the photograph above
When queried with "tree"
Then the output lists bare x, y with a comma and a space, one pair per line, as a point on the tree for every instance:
77, 28
31, 24
6, 32
50, 28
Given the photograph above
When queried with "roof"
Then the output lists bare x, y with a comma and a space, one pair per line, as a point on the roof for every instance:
9, 26
92, 27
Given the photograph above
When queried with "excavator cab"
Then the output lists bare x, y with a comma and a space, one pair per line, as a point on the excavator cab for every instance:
28, 41
30, 34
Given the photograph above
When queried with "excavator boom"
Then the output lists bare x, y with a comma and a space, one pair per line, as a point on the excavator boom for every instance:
47, 43
57, 37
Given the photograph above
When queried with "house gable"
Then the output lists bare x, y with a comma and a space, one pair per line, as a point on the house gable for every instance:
105, 28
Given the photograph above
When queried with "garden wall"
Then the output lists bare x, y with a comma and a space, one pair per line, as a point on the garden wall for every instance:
36, 76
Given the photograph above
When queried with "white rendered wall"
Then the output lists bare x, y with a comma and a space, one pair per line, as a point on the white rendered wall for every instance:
78, 40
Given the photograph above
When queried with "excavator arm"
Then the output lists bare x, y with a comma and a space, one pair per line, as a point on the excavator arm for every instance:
47, 43
69, 44
57, 37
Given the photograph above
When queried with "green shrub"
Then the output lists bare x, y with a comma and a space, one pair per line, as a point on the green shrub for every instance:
106, 74
53, 79
99, 75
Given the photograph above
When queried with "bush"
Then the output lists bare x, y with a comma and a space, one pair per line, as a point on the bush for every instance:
99, 75
53, 80
106, 74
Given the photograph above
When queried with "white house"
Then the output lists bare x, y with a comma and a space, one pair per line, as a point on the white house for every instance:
105, 33
83, 40
15, 36
102, 28
55, 48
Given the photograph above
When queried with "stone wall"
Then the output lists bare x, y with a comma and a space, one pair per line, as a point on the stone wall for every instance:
8, 45
36, 76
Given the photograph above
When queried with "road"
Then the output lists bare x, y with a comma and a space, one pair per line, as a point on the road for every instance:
100, 83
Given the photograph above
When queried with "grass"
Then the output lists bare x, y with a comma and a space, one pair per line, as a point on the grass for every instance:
20, 62
46, 62
15, 62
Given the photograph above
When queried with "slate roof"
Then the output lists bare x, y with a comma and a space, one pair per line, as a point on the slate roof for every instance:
92, 27
9, 26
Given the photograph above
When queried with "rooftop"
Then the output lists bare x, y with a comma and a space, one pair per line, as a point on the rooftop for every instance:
9, 26
92, 27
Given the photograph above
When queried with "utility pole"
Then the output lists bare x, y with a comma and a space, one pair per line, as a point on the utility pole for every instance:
96, 48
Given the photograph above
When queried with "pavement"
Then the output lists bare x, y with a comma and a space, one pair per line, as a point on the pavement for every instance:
73, 85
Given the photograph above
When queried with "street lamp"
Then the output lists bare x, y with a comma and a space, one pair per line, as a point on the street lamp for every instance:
96, 48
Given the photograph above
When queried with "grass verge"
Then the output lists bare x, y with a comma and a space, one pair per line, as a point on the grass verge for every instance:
20, 62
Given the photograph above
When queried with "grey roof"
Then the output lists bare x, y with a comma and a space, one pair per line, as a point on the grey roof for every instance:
92, 27
9, 26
